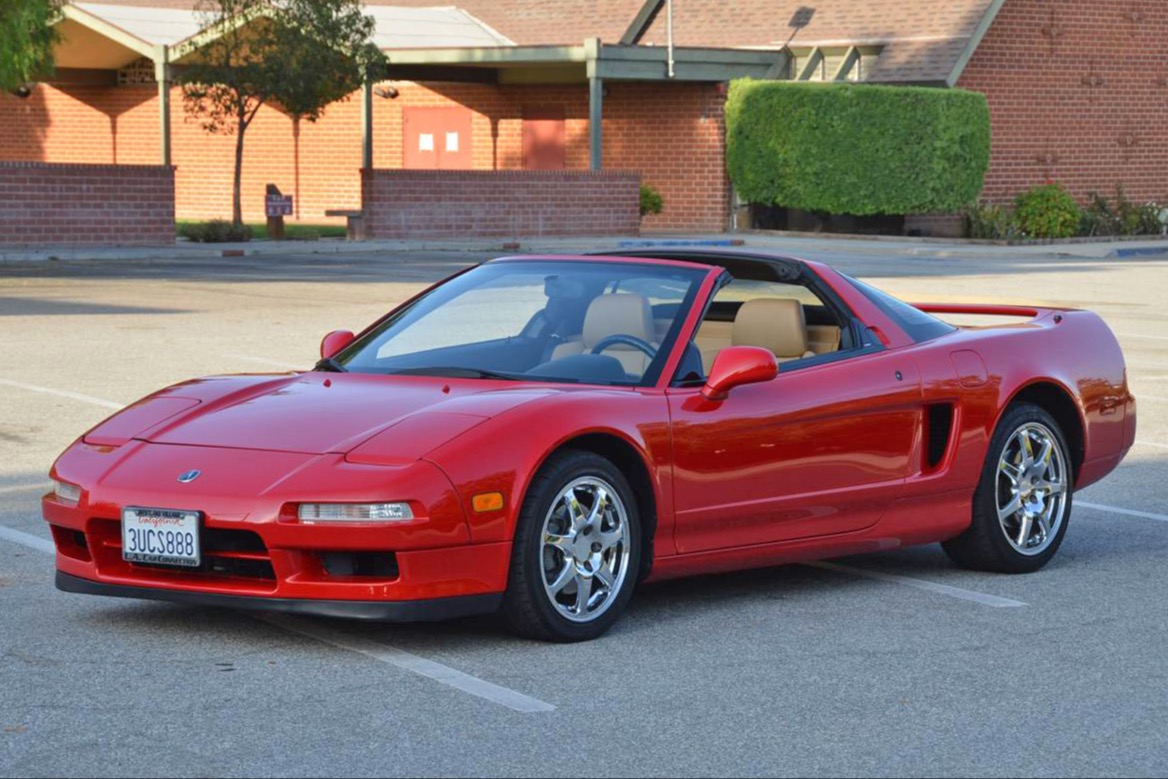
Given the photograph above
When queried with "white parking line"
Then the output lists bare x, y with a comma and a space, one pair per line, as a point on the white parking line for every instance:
27, 539
1123, 512
412, 663
920, 584
380, 652
63, 394
25, 488
266, 361
1143, 335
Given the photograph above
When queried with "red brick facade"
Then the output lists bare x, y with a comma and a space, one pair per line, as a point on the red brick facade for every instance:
78, 205
1078, 93
416, 204
671, 134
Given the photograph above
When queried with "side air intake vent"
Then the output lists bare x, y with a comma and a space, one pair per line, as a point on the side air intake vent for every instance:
939, 423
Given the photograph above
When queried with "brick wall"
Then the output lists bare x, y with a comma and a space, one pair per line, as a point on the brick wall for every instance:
1078, 93
79, 205
672, 133
414, 204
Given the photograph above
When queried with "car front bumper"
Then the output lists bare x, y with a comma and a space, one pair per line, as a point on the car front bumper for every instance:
430, 610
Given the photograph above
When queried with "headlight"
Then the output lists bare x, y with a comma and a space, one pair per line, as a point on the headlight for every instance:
66, 492
354, 512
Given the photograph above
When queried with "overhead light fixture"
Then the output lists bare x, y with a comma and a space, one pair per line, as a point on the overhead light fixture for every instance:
24, 91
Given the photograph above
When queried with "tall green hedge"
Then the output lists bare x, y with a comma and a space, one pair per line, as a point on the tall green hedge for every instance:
857, 148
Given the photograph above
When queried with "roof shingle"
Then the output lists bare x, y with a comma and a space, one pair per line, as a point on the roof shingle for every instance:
922, 39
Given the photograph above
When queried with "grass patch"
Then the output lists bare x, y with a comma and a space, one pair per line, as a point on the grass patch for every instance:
293, 231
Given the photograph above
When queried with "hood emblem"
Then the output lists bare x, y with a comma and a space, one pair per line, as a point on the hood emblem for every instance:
189, 476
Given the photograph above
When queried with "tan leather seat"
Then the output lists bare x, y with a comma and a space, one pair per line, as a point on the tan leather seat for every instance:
824, 339
777, 324
622, 313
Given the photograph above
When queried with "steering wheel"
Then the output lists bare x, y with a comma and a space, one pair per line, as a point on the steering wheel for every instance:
627, 340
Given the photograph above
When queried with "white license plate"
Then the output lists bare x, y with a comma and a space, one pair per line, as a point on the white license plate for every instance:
161, 536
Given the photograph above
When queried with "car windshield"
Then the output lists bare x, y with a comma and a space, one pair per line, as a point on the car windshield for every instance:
537, 320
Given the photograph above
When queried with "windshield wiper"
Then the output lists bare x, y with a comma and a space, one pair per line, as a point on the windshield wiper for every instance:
329, 365
454, 372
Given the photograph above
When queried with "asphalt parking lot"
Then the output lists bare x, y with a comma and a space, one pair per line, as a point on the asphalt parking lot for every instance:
892, 665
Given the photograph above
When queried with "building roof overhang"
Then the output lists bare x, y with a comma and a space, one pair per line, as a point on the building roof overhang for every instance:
592, 59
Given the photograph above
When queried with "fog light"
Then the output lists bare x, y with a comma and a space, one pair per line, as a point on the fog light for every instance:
66, 492
354, 512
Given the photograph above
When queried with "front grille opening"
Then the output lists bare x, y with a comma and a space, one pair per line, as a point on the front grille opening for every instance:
226, 554
71, 543
239, 568
219, 540
939, 422
373, 565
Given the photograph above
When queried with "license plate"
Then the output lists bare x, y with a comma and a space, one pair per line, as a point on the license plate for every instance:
161, 537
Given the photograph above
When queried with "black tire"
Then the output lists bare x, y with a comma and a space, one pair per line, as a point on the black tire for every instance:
983, 546
527, 605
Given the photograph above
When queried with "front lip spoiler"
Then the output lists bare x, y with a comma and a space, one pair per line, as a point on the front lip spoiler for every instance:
374, 611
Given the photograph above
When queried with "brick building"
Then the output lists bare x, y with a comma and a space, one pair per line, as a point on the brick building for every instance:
1078, 92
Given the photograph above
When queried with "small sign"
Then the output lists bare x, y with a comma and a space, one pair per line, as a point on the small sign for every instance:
278, 205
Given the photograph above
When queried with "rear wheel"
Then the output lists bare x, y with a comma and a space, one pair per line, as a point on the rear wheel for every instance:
577, 550
1023, 502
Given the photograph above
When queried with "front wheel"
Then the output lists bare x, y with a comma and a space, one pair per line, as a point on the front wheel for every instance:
577, 550
1023, 502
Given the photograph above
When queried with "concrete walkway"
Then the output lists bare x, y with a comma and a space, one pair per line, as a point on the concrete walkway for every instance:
790, 244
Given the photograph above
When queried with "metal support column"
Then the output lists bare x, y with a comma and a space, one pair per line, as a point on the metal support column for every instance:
595, 105
163, 76
367, 125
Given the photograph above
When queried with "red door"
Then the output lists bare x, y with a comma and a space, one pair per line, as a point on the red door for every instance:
544, 145
437, 138
814, 452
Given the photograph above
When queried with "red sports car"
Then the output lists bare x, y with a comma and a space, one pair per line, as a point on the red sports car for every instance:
537, 435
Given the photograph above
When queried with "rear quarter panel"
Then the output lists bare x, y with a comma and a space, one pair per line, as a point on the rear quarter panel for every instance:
1072, 350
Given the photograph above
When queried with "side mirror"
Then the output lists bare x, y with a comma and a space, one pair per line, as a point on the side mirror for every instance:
334, 342
738, 365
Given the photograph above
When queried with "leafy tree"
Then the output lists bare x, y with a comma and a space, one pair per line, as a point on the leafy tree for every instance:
26, 40
298, 55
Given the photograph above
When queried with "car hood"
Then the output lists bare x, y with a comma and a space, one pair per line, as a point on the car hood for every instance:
317, 413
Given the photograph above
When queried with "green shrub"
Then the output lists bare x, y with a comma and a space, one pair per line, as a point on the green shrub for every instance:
1047, 211
215, 231
990, 222
651, 200
857, 148
1151, 219
1099, 218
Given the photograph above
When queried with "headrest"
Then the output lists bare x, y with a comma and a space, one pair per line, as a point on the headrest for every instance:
617, 313
772, 323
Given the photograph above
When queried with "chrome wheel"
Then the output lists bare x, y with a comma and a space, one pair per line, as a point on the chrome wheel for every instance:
1032, 488
585, 549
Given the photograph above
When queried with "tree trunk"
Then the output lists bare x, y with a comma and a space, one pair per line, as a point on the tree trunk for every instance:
236, 200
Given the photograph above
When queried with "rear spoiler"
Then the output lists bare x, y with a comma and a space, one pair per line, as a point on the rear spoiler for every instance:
983, 309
